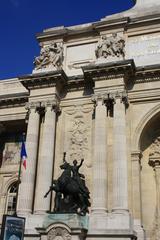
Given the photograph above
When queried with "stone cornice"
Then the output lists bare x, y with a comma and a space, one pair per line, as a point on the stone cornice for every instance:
93, 28
113, 21
109, 70
44, 79
13, 101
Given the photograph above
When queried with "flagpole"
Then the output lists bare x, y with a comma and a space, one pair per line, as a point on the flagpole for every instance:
19, 178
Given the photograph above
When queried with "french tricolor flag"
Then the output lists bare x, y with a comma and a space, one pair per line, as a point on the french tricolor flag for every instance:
23, 154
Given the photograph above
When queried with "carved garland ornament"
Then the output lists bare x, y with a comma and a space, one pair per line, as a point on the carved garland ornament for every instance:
58, 233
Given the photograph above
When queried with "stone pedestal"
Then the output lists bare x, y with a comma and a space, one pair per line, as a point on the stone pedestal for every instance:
26, 188
64, 226
45, 162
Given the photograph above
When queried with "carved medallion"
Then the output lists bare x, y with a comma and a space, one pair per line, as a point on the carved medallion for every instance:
58, 233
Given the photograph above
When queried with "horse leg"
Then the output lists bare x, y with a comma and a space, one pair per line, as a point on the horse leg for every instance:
83, 208
57, 202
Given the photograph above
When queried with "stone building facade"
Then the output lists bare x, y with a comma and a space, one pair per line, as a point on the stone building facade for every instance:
94, 93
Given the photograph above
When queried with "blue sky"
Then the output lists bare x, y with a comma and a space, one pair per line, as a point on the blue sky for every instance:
20, 20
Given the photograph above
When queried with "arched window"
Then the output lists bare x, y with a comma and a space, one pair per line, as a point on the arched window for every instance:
11, 199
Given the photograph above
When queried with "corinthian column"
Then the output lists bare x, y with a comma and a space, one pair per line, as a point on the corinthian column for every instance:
100, 158
26, 189
45, 162
120, 179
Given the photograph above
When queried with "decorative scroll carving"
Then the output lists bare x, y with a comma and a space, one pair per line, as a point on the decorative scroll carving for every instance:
112, 46
50, 57
58, 233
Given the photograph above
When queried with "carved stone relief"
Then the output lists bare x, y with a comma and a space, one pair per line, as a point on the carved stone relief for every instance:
155, 148
11, 153
78, 138
110, 46
58, 233
51, 56
78, 134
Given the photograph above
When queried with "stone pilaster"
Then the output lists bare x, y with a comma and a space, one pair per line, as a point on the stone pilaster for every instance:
136, 193
136, 188
26, 188
155, 163
120, 178
99, 204
45, 162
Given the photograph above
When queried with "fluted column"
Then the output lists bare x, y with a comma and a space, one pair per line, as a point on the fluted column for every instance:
26, 188
45, 162
120, 179
100, 158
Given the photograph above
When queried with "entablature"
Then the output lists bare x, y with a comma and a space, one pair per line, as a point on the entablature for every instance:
103, 71
44, 79
13, 101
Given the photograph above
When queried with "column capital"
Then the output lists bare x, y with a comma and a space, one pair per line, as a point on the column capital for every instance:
136, 155
122, 95
104, 97
53, 104
32, 105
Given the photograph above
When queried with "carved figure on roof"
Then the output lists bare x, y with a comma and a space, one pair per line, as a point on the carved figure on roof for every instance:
50, 57
112, 46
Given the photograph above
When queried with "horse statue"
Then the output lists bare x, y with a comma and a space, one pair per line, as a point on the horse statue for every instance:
72, 195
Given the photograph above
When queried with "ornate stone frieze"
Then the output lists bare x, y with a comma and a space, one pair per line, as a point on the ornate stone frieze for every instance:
58, 233
51, 56
110, 46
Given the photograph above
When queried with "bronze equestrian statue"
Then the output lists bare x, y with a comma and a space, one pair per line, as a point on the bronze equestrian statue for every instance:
72, 195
